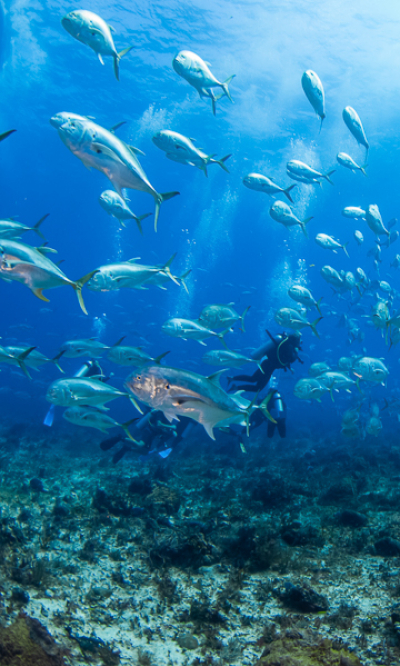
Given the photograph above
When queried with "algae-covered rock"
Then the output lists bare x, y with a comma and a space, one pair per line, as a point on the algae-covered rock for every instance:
26, 641
301, 649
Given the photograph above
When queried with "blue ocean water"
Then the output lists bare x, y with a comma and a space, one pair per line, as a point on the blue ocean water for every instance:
218, 228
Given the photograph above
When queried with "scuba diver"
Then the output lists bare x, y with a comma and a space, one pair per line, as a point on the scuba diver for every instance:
155, 435
280, 351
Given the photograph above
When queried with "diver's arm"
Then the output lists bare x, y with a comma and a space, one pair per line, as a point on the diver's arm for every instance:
264, 350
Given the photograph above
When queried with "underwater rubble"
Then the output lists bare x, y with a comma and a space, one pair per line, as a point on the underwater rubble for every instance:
286, 554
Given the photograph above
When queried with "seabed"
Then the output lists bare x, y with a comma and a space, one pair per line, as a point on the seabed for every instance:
288, 553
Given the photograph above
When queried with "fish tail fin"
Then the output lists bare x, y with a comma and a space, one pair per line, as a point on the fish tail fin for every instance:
264, 407
314, 325
159, 200
78, 288
56, 358
286, 192
139, 219
362, 169
317, 305
225, 88
117, 58
125, 427
222, 161
159, 358
166, 268
303, 225
21, 358
6, 134
331, 394
345, 250
327, 176
36, 226
221, 337
322, 120
242, 328
182, 280
135, 404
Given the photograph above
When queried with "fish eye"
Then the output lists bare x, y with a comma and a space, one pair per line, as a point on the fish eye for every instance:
167, 386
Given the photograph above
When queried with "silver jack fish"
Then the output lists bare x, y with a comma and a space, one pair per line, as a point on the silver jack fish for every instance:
29, 266
312, 86
13, 229
305, 174
353, 122
196, 72
91, 418
90, 29
179, 148
260, 183
282, 213
99, 148
116, 206
127, 275
178, 392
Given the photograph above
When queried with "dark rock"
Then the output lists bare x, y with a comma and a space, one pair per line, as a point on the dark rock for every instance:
140, 486
116, 506
387, 547
303, 649
339, 493
349, 518
19, 595
28, 642
61, 509
163, 499
301, 535
303, 598
187, 641
36, 485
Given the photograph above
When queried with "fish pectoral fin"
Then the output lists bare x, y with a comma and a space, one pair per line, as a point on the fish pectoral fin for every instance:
209, 430
100, 58
105, 150
38, 293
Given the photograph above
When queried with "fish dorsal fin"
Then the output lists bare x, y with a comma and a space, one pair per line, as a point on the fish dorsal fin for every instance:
117, 126
239, 393
111, 28
136, 151
132, 261
214, 378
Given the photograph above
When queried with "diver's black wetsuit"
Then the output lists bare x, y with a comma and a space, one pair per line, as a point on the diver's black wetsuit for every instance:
281, 351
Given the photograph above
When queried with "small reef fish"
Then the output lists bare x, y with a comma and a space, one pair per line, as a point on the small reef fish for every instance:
295, 320
99, 148
196, 72
116, 206
354, 124
179, 148
305, 174
90, 29
314, 91
348, 162
329, 243
260, 183
282, 213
